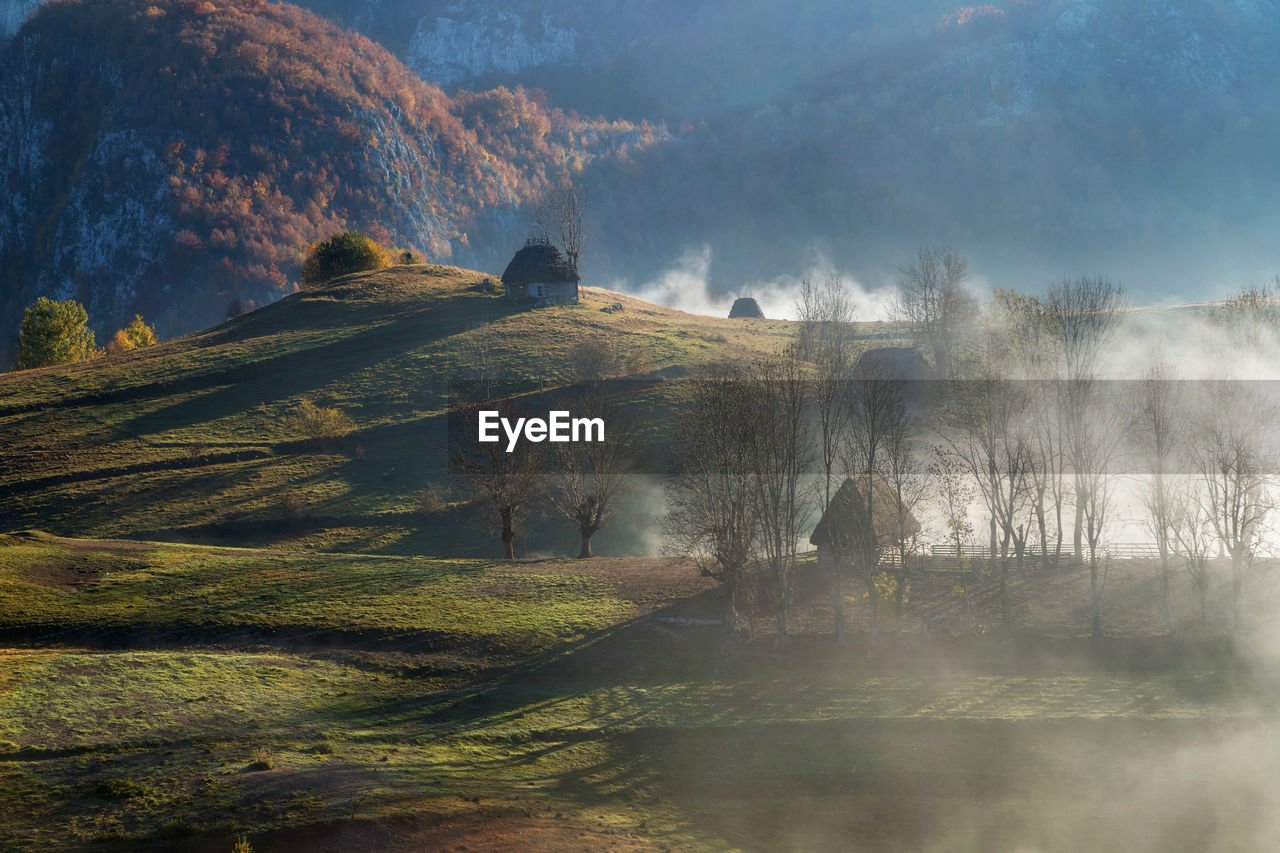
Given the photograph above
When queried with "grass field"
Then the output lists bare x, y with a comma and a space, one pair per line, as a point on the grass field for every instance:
198, 664
189, 440
325, 702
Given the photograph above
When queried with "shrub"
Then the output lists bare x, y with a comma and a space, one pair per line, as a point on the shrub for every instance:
133, 336
314, 422
261, 759
242, 846
431, 501
122, 789
290, 504
595, 359
408, 256
54, 333
347, 252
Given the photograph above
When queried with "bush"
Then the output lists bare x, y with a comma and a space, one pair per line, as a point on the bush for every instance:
290, 504
341, 254
54, 333
408, 256
133, 336
432, 501
595, 359
261, 760
317, 423
242, 846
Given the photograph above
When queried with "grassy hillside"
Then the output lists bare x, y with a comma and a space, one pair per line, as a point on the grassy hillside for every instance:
170, 696
190, 440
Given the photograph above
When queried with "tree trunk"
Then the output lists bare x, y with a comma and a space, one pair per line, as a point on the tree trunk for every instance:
1237, 589
781, 642
1006, 618
508, 537
875, 611
1095, 597
839, 609
1166, 588
1077, 539
586, 544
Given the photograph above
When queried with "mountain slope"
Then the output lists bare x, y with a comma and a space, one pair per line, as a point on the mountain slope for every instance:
168, 157
190, 439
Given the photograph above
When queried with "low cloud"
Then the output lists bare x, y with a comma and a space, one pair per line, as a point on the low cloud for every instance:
685, 286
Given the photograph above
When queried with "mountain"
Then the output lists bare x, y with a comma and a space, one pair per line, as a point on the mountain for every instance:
170, 157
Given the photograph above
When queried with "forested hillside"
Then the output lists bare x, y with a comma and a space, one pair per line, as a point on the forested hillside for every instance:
170, 157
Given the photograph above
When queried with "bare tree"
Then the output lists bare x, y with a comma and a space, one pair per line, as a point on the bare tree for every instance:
826, 339
505, 480
904, 474
586, 479
1104, 430
1157, 435
711, 515
1232, 455
558, 216
988, 428
1195, 539
933, 300
877, 408
1082, 316
779, 457
954, 492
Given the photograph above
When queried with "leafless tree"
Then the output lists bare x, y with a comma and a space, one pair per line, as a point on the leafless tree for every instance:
586, 479
877, 408
505, 480
1082, 316
1104, 428
711, 515
1157, 435
1233, 457
954, 493
558, 216
903, 472
988, 428
934, 302
1032, 346
1195, 539
826, 339
779, 458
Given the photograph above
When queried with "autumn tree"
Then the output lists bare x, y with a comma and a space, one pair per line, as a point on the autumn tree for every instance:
52, 333
133, 336
343, 253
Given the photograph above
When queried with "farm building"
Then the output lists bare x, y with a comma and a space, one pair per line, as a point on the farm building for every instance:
540, 273
843, 527
745, 307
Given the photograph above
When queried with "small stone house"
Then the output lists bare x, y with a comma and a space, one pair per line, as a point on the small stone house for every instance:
539, 273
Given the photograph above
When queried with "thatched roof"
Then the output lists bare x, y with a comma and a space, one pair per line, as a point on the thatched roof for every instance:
843, 525
539, 261
745, 307
894, 363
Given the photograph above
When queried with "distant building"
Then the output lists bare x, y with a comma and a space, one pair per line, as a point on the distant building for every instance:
842, 532
745, 307
540, 273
